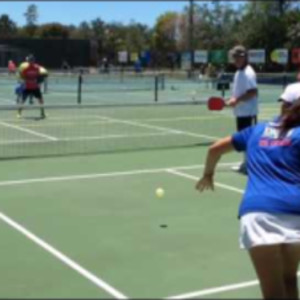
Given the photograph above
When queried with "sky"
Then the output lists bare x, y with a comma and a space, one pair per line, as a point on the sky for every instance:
70, 12
74, 12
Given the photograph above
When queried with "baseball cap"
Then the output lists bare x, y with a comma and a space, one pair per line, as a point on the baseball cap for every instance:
291, 93
238, 51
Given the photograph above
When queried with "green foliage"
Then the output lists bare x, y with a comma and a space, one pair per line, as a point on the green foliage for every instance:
217, 25
165, 32
8, 27
52, 30
31, 15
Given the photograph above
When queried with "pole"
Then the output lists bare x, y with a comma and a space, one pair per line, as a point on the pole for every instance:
191, 35
79, 92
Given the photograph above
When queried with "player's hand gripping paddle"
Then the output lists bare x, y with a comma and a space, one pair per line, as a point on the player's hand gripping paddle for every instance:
216, 103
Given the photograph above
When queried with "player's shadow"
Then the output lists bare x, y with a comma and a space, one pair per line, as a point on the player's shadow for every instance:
34, 118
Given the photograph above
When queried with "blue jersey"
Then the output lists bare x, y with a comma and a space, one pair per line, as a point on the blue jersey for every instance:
273, 164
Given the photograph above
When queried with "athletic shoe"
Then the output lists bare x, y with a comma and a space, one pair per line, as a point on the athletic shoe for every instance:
240, 168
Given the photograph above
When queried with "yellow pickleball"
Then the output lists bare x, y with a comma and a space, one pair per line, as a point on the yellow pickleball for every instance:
159, 192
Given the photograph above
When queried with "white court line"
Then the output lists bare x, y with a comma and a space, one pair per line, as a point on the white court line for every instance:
102, 175
216, 290
51, 118
33, 132
220, 289
86, 138
7, 100
160, 128
63, 258
175, 171
100, 122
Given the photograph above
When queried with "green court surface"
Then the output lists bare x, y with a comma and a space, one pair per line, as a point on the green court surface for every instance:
89, 225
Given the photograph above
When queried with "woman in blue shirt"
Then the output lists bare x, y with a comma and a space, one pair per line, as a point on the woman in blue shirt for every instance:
270, 209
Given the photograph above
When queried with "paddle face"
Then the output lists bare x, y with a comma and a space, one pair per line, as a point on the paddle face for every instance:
215, 103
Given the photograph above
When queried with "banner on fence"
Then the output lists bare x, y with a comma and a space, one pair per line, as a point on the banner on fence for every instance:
123, 57
257, 56
296, 56
280, 56
201, 56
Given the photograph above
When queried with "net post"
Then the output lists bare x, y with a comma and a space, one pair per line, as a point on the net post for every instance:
79, 94
156, 78
122, 73
162, 81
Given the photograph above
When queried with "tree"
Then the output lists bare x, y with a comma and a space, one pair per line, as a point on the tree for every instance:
98, 28
31, 15
292, 23
137, 37
52, 30
261, 26
214, 26
8, 27
165, 32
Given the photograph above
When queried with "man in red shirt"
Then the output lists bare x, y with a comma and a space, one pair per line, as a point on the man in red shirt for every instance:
11, 67
31, 74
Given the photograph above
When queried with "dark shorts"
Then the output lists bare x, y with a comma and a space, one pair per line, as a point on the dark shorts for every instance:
244, 122
35, 93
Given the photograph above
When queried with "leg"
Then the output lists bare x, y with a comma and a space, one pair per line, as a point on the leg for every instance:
268, 263
241, 124
39, 96
31, 100
41, 102
25, 94
291, 257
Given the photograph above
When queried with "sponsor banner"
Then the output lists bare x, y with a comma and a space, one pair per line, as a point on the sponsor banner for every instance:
134, 57
146, 57
186, 60
218, 56
296, 56
257, 56
201, 56
280, 56
123, 57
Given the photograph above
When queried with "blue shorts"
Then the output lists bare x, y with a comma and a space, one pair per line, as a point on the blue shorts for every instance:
19, 89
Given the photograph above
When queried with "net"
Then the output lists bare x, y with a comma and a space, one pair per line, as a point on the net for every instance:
89, 129
101, 82
132, 88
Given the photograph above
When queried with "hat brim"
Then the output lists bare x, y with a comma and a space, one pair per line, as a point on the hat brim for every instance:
239, 54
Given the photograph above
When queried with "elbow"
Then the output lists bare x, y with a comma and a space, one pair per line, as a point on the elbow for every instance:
215, 150
253, 93
221, 147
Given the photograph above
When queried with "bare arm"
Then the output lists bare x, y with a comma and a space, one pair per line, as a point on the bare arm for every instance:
243, 98
214, 154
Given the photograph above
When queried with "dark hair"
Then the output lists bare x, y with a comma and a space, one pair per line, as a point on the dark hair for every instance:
291, 117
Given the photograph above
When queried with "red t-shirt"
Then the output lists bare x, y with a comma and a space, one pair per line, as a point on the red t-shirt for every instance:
30, 75
11, 66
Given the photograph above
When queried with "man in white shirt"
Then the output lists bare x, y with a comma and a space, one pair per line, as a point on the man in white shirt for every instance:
244, 100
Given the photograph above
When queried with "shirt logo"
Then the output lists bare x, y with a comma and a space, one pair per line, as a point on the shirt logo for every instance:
271, 137
271, 133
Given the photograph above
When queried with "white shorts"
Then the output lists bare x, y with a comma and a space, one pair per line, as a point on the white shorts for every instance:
259, 229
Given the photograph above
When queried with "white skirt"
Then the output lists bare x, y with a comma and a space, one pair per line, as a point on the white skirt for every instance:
260, 229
